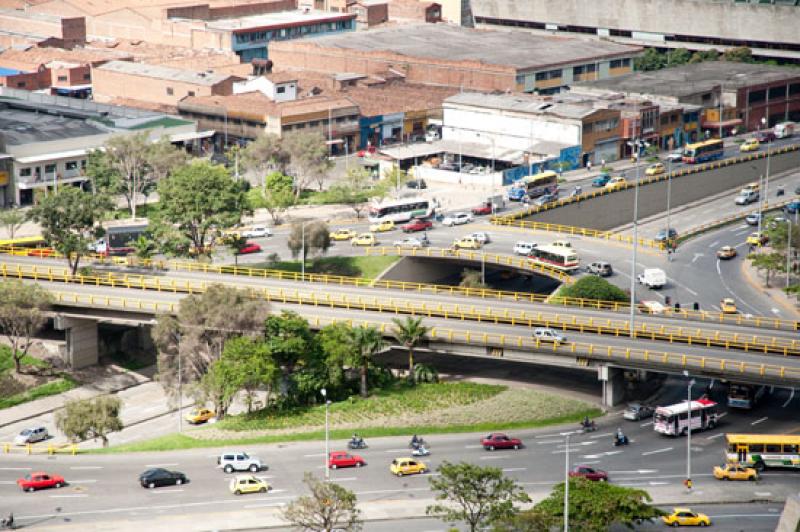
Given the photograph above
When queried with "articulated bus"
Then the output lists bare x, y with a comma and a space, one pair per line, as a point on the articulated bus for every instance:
700, 152
401, 210
559, 257
764, 450
29, 246
673, 420
744, 395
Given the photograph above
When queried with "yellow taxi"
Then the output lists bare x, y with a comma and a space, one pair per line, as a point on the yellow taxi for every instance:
248, 484
754, 187
726, 252
616, 182
655, 169
467, 242
386, 225
728, 306
407, 466
686, 517
343, 234
200, 415
749, 145
365, 239
757, 239
735, 472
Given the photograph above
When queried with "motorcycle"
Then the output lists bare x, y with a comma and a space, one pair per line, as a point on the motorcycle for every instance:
8, 522
590, 427
620, 441
357, 444
780, 191
416, 444
421, 450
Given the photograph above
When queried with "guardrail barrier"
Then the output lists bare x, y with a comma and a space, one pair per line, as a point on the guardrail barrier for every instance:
39, 448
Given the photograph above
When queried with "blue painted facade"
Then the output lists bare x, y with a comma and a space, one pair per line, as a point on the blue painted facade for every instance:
370, 130
253, 43
569, 155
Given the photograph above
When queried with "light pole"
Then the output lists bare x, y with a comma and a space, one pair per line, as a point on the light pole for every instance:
483, 269
180, 394
303, 251
636, 145
669, 200
788, 250
689, 433
324, 393
769, 145
566, 483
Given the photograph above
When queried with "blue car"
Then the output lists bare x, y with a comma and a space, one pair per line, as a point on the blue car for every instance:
601, 180
517, 194
792, 207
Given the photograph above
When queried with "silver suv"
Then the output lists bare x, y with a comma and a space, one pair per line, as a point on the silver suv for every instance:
239, 461
31, 435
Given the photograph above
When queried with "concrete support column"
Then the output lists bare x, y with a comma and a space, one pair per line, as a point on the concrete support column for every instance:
613, 380
81, 336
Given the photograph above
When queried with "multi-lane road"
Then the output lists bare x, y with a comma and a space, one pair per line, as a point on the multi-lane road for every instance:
103, 490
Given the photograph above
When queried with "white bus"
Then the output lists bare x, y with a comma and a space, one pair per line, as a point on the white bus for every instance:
556, 256
673, 421
744, 395
400, 210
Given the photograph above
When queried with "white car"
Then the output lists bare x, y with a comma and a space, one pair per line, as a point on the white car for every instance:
524, 248
482, 236
257, 231
31, 435
231, 461
412, 242
544, 334
458, 218
675, 156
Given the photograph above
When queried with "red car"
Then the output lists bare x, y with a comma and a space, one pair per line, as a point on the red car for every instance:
486, 208
417, 224
39, 480
344, 459
589, 473
250, 247
497, 440
765, 135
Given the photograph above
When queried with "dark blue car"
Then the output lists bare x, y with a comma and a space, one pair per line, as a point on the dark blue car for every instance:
792, 207
601, 180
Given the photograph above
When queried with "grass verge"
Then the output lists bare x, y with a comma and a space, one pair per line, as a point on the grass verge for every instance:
363, 267
37, 392
426, 409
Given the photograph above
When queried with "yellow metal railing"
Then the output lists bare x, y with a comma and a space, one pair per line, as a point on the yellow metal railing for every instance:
39, 448
461, 312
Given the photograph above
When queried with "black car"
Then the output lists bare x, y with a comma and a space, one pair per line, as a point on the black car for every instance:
152, 478
417, 183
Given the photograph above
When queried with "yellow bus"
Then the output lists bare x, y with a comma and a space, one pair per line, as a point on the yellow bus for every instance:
700, 152
26, 246
764, 450
534, 186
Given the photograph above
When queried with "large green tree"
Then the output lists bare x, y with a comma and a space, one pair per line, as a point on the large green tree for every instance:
195, 201
275, 196
12, 220
594, 287
593, 507
22, 315
769, 262
367, 342
309, 161
83, 419
410, 332
336, 342
291, 343
266, 154
70, 221
475, 495
309, 238
354, 191
328, 507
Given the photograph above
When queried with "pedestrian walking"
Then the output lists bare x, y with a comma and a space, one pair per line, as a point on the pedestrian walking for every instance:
588, 166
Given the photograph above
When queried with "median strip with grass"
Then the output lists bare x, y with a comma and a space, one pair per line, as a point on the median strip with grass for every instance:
360, 266
399, 410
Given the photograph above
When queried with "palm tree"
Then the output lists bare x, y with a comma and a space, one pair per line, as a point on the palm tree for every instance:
410, 332
367, 341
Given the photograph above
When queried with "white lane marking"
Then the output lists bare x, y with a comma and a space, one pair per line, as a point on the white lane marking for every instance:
158, 492
647, 424
603, 435
549, 435
549, 442
496, 457
69, 496
775, 310
315, 455
345, 479
697, 256
79, 468
15, 468
713, 244
479, 446
92, 481
639, 471
715, 436
590, 462
722, 415
509, 469
757, 421
649, 483
267, 505
738, 516
763, 493
664, 450
789, 400
161, 465
7, 482
398, 490
397, 451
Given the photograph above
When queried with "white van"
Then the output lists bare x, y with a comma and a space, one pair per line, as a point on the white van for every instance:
653, 278
784, 130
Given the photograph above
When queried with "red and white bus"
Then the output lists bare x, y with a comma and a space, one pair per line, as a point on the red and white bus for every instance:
556, 256
673, 420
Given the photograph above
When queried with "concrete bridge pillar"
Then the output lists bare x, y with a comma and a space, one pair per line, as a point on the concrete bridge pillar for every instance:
81, 336
613, 380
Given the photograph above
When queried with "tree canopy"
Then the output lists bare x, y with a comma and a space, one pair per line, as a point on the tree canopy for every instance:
309, 238
326, 508
308, 158
12, 220
410, 332
594, 287
84, 419
22, 315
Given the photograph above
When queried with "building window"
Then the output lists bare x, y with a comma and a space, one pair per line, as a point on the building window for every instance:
191, 93
794, 89
777, 93
313, 123
87, 77
550, 74
591, 68
62, 78
299, 126
280, 90
71, 165
20, 84
170, 92
757, 96
24, 172
50, 169
577, 71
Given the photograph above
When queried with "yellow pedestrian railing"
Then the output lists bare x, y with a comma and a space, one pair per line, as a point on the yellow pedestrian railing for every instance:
581, 231
732, 218
522, 263
39, 448
461, 312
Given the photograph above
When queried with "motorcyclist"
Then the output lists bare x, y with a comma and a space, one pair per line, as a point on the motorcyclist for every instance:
780, 190
586, 422
356, 440
619, 437
416, 442
577, 191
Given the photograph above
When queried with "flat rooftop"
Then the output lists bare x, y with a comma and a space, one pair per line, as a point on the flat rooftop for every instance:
687, 80
162, 72
524, 103
442, 42
281, 19
21, 126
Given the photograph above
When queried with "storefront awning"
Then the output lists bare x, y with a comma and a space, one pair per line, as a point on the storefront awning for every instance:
191, 135
725, 123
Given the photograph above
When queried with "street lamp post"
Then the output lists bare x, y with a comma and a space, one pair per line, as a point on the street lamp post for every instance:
689, 433
766, 178
669, 195
636, 145
566, 483
303, 251
483, 268
324, 393
789, 250
180, 394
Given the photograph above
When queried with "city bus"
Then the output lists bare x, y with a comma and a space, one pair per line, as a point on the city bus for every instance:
400, 210
673, 421
764, 450
744, 395
118, 238
700, 152
560, 257
27, 246
534, 186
